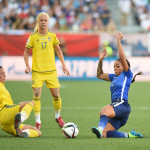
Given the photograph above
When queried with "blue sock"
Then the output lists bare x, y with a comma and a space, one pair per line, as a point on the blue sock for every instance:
103, 122
116, 134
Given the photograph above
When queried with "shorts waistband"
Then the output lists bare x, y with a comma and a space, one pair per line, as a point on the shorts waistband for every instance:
119, 100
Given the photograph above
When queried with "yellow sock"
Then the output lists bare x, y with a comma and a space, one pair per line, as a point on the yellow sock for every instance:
26, 110
32, 133
57, 106
37, 109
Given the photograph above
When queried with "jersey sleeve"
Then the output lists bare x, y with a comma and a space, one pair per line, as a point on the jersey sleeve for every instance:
29, 43
111, 76
128, 73
56, 41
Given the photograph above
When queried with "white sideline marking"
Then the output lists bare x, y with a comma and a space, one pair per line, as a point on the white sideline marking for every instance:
93, 108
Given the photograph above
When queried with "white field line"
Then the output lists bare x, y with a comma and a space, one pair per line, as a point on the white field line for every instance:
94, 108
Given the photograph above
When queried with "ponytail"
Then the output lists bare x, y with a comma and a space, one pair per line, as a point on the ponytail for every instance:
139, 73
36, 27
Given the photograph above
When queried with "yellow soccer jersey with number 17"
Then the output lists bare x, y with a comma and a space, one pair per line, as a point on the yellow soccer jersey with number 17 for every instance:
5, 97
43, 55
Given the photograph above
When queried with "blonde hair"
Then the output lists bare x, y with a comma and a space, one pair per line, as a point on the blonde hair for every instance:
37, 19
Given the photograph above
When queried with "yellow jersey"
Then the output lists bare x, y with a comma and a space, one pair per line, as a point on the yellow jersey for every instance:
43, 55
5, 97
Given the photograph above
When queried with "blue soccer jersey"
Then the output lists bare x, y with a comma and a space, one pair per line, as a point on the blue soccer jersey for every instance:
120, 85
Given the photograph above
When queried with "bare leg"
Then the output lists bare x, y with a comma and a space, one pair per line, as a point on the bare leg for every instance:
108, 111
108, 127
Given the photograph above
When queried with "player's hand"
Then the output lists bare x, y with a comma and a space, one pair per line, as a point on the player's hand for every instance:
119, 35
103, 54
65, 70
27, 70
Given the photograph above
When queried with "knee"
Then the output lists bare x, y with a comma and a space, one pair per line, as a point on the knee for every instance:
102, 112
37, 94
55, 95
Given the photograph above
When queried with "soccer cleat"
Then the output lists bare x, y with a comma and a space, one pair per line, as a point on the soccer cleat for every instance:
97, 131
60, 122
17, 120
38, 125
21, 134
134, 134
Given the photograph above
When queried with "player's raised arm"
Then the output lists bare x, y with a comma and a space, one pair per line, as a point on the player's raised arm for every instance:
100, 73
26, 59
122, 56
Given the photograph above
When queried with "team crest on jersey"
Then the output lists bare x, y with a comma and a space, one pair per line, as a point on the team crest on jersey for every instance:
37, 40
49, 38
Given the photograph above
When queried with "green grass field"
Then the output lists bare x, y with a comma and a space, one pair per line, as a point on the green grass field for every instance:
82, 101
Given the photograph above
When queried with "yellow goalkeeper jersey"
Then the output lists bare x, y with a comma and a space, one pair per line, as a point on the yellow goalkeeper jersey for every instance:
43, 55
5, 97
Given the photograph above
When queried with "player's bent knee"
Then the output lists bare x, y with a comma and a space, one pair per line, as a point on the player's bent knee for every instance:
102, 112
55, 95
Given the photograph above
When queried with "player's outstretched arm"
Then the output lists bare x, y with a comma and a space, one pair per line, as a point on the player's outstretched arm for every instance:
61, 57
100, 73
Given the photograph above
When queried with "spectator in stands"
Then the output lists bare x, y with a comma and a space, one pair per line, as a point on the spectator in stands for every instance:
125, 7
105, 15
142, 13
64, 15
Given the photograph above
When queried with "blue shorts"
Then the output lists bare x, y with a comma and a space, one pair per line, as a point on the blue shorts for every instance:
122, 110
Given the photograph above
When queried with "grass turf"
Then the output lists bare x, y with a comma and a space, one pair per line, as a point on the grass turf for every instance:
82, 101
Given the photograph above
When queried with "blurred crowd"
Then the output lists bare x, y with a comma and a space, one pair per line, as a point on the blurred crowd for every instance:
142, 13
74, 15
139, 8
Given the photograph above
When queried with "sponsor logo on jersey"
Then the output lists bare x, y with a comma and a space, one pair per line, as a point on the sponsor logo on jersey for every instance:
43, 39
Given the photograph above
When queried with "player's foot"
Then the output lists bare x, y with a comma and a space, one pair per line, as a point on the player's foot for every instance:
38, 125
97, 131
60, 122
134, 134
17, 120
21, 134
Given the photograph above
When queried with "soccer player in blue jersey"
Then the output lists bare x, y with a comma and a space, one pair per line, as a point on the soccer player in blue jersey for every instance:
115, 115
